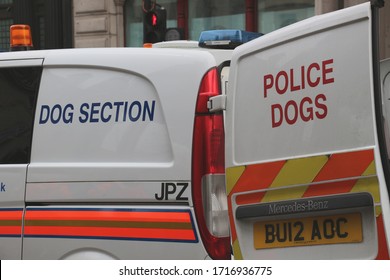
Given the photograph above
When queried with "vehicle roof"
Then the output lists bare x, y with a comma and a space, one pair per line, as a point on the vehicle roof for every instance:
103, 56
220, 55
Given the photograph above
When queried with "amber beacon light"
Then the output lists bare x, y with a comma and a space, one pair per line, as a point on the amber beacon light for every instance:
20, 37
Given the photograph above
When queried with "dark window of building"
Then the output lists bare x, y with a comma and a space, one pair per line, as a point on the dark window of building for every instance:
39, 24
50, 21
18, 93
4, 33
5, 21
215, 14
275, 14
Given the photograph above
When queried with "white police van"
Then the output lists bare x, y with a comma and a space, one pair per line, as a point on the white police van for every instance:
112, 153
120, 153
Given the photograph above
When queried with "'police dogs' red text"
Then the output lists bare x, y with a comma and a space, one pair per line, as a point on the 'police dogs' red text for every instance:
290, 83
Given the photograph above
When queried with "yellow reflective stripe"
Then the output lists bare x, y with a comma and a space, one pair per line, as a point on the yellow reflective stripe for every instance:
232, 176
291, 174
282, 194
300, 171
378, 211
371, 169
370, 185
237, 250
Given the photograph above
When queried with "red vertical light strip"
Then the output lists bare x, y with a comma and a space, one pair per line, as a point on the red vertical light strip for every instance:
251, 15
182, 16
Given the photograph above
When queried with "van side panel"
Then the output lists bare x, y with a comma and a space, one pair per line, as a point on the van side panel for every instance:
110, 172
116, 117
90, 109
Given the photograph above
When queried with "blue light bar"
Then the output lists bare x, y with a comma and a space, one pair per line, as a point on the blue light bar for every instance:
226, 38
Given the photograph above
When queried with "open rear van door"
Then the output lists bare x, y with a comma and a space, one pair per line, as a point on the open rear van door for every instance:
305, 162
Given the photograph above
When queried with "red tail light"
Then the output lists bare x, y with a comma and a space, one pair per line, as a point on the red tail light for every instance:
208, 172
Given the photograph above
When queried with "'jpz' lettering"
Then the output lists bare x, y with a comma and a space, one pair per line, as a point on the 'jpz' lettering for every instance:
172, 190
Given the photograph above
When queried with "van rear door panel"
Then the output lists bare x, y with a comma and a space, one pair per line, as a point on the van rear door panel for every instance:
301, 138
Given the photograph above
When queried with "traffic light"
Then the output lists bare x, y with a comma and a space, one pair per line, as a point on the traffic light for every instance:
155, 25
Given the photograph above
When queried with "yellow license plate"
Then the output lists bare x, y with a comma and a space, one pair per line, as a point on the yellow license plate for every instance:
345, 228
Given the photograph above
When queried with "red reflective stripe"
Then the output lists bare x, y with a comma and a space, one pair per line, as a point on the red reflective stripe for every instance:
11, 215
330, 188
178, 234
258, 176
11, 230
345, 165
339, 166
383, 253
110, 224
231, 220
11, 222
108, 216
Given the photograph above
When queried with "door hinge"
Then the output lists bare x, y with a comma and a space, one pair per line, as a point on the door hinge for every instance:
216, 103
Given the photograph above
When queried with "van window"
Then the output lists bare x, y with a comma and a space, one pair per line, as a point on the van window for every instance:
18, 92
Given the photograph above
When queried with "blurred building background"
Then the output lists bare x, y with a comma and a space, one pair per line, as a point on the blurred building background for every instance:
112, 23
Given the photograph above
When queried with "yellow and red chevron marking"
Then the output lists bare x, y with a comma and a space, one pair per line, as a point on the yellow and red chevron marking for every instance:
305, 177
102, 223
11, 222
